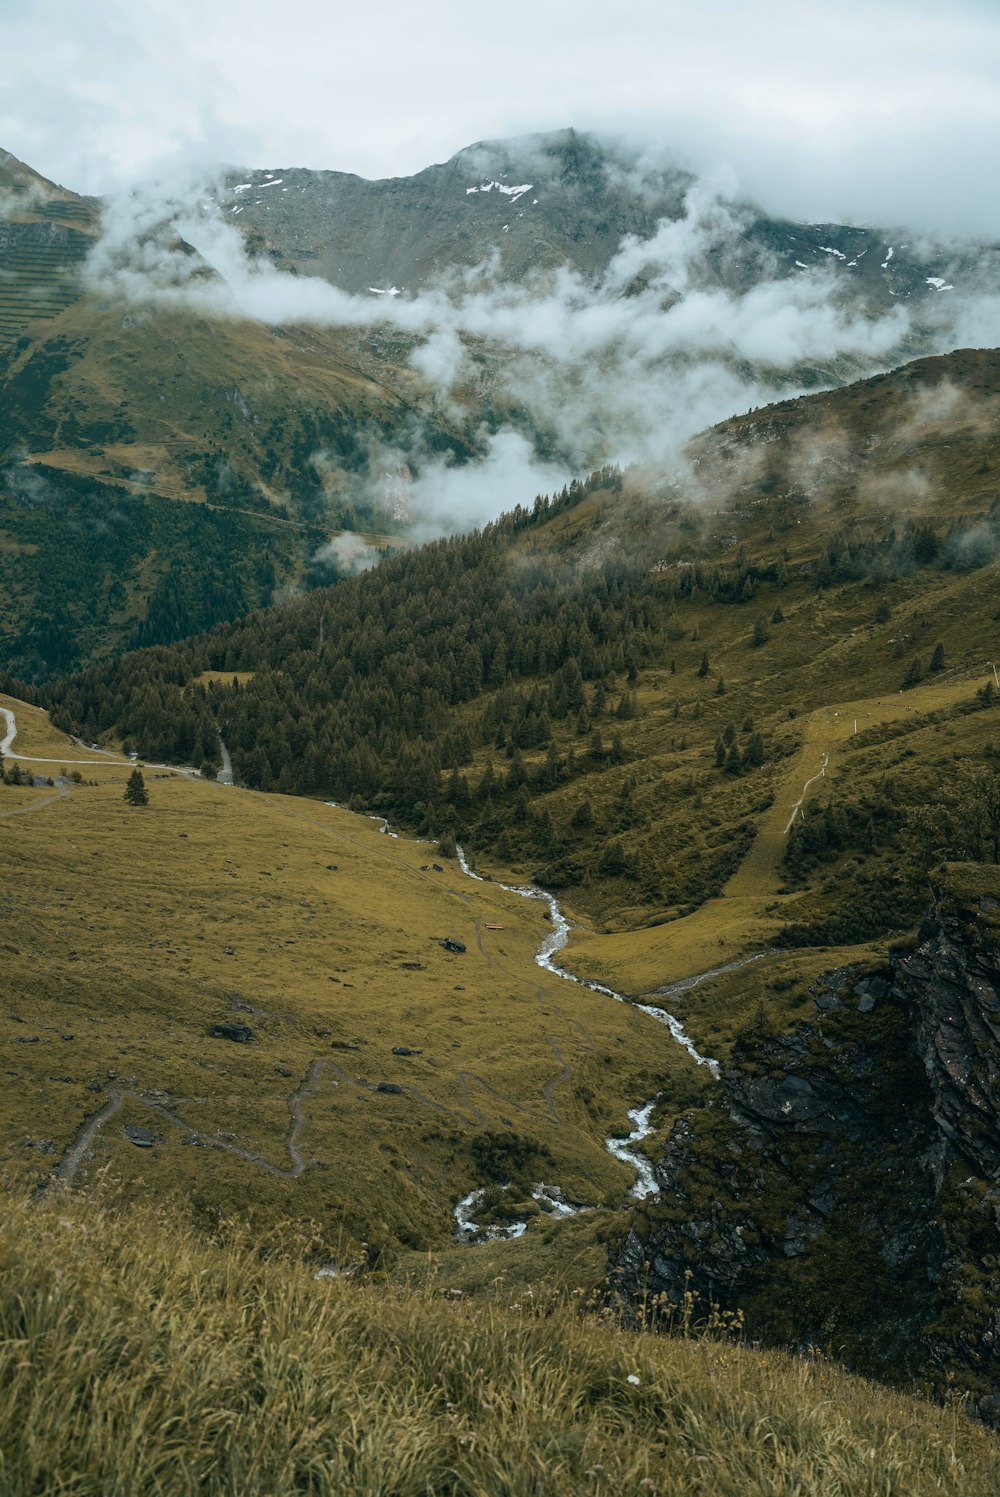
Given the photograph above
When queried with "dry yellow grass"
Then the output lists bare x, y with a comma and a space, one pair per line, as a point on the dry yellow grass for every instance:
134, 930
137, 1361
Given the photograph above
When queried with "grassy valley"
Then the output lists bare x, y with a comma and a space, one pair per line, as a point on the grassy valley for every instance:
741, 718
142, 929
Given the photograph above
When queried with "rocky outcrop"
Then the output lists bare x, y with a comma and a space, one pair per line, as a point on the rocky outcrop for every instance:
953, 983
842, 1187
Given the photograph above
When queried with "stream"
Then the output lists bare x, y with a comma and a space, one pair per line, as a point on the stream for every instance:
640, 1116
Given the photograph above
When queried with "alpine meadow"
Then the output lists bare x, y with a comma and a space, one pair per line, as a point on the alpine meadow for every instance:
499, 783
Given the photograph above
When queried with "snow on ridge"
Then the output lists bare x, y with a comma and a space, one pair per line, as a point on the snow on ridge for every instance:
256, 186
828, 249
888, 257
384, 290
939, 283
511, 192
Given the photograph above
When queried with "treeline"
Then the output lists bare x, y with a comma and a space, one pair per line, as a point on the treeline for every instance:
969, 541
458, 688
353, 688
93, 568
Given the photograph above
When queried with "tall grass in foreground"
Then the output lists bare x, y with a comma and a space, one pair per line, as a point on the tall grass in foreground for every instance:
137, 1359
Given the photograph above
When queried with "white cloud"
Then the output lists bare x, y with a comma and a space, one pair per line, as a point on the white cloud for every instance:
625, 371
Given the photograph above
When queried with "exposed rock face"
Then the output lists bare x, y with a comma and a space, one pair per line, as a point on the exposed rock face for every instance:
827, 1189
953, 981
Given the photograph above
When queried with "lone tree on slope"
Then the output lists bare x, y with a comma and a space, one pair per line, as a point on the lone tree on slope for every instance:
135, 791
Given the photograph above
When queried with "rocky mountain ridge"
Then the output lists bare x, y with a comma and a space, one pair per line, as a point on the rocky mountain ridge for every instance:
537, 204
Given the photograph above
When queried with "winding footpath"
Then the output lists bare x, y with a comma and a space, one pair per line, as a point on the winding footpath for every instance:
811, 781
98, 756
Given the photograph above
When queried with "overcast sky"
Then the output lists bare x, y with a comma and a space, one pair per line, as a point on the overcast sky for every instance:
872, 110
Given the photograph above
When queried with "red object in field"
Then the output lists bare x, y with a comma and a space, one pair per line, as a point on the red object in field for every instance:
494, 927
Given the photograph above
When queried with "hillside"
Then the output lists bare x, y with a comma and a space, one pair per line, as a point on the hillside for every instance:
736, 737
557, 688
562, 306
363, 1077
227, 438
45, 234
189, 1365
225, 446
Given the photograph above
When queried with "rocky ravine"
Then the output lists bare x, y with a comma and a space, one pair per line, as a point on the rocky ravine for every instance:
844, 1189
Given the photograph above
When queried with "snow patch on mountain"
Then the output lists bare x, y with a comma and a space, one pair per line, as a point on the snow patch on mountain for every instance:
514, 193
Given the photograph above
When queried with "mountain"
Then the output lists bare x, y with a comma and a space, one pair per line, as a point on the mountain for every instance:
541, 203
737, 720
162, 468
622, 306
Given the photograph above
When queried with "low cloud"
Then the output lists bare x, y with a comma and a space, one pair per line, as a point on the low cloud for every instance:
577, 374
346, 554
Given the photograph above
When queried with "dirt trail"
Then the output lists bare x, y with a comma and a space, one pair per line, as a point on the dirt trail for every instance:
751, 908
97, 756
61, 790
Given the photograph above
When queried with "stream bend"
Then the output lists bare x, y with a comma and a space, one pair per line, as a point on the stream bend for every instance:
622, 1148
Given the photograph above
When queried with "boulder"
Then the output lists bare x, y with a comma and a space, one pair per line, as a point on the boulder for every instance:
241, 1034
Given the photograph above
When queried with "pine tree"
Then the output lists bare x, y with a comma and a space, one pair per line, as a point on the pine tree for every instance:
136, 793
914, 672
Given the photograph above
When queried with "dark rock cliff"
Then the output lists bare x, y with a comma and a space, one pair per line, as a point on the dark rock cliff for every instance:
953, 983
842, 1187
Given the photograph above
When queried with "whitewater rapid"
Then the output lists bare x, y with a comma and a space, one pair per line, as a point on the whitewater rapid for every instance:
622, 1148
557, 939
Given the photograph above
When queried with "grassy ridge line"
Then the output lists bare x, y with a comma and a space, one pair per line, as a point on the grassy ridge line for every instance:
137, 1359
